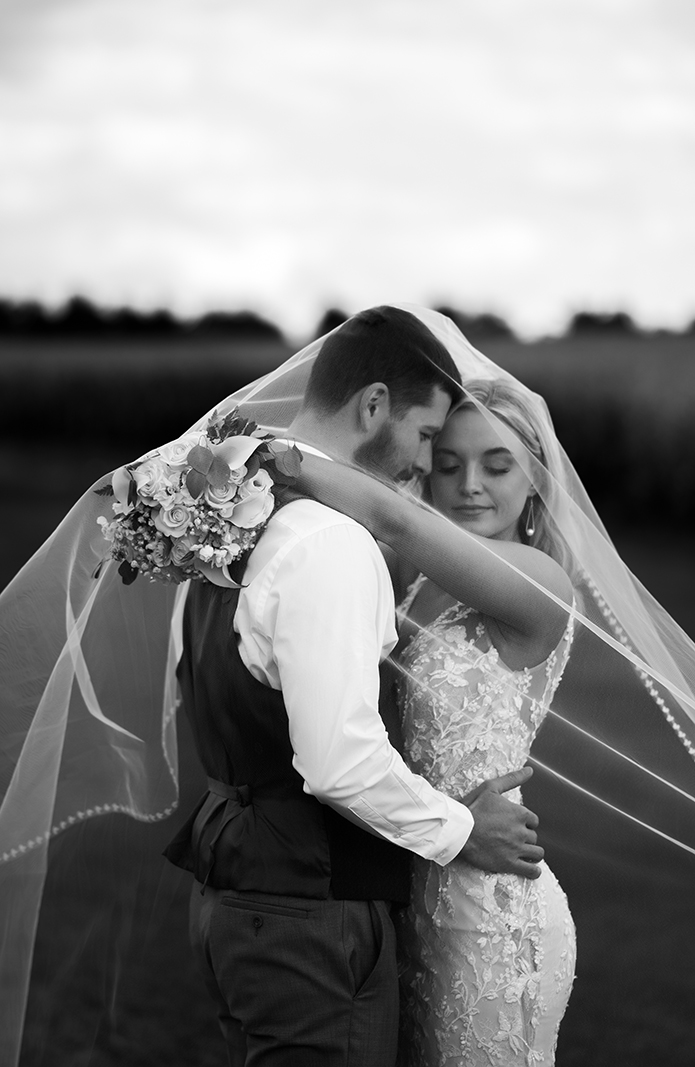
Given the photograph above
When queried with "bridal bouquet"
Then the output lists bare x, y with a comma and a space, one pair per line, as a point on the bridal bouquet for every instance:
198, 504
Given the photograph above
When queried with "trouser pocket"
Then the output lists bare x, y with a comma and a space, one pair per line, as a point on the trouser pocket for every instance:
265, 907
369, 944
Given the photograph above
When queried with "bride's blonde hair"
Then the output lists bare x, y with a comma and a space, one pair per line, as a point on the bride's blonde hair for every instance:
526, 414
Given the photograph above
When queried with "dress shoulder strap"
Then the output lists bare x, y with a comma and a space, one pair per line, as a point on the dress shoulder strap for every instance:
410, 594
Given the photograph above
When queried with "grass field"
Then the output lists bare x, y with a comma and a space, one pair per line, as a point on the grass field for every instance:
623, 406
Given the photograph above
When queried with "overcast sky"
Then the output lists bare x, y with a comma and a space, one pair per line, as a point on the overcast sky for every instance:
530, 157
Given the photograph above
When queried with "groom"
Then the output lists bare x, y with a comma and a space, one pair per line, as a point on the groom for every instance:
301, 846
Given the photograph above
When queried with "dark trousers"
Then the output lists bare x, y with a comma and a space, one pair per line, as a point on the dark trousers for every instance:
298, 982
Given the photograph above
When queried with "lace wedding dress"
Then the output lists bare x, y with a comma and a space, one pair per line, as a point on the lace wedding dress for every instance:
487, 960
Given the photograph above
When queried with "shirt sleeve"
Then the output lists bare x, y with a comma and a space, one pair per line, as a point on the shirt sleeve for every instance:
329, 616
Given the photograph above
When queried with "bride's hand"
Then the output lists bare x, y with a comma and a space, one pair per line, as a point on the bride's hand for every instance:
503, 838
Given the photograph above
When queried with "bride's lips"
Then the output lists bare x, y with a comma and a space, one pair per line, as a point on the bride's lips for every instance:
470, 510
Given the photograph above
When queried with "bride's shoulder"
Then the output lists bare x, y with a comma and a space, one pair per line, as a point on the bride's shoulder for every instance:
542, 569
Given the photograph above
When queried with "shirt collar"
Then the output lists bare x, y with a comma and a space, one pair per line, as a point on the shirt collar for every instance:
305, 448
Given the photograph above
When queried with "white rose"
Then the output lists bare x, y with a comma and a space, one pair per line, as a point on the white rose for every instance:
182, 550
174, 454
218, 496
255, 501
173, 521
238, 474
153, 481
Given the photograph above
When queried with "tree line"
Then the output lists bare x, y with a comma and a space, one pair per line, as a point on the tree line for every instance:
80, 318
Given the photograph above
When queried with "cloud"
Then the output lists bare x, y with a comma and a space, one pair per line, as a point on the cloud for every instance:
530, 158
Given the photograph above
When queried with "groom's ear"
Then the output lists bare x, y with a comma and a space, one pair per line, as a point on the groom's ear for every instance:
374, 407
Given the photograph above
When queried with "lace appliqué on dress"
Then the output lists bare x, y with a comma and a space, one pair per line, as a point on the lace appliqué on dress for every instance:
487, 960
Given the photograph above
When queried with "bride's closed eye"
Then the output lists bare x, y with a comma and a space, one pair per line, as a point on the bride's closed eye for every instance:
439, 469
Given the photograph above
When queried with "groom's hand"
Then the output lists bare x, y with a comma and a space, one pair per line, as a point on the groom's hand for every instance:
503, 838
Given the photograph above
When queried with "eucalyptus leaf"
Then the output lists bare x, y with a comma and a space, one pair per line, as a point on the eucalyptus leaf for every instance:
195, 483
200, 459
219, 473
289, 462
280, 478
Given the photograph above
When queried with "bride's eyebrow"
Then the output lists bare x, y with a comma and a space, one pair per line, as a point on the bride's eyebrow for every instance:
488, 452
498, 452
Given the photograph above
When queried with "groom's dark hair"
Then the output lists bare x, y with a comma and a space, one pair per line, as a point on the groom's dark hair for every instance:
382, 344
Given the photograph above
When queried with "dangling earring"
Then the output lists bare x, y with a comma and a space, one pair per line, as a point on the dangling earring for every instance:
530, 524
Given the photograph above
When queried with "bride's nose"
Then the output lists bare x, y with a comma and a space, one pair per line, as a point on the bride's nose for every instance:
469, 481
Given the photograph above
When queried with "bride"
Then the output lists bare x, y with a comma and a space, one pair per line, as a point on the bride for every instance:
487, 960
88, 725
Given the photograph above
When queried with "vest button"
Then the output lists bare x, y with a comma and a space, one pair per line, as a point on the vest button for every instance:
257, 922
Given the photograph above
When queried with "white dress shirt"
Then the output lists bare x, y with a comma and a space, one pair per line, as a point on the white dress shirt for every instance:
315, 617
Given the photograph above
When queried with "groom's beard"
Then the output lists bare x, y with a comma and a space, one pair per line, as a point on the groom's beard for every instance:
381, 456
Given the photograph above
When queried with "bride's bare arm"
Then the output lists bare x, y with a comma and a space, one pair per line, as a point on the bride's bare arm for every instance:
472, 569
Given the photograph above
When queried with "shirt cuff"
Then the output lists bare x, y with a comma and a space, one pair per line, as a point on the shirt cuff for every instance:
454, 835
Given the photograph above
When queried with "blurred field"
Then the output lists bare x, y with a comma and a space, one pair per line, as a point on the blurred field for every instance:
623, 409
623, 406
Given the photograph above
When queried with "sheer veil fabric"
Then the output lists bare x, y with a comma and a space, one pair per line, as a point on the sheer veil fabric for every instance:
88, 691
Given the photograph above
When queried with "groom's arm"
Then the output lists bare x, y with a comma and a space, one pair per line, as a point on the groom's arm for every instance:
328, 615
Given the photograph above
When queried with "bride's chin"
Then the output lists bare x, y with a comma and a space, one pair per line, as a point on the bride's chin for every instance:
474, 524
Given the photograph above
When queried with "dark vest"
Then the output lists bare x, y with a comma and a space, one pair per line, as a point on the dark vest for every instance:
256, 829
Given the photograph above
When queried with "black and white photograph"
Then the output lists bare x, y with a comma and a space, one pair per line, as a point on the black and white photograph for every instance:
347, 591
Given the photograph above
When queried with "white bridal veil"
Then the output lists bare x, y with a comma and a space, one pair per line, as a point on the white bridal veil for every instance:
88, 692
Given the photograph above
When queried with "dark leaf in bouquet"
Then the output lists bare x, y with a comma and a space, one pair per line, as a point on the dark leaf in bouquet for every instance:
195, 483
252, 465
97, 569
104, 490
223, 428
200, 459
219, 473
132, 493
127, 573
289, 462
231, 425
279, 477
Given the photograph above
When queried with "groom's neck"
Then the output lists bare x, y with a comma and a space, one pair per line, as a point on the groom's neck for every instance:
328, 435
